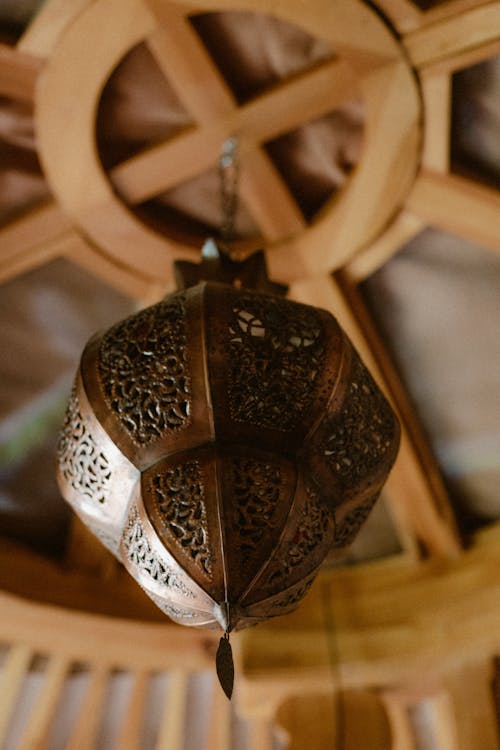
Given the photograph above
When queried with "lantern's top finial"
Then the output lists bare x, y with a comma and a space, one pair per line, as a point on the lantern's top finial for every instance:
216, 266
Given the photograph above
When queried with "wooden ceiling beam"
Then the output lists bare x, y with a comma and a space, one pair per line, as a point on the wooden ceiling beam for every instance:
51, 20
414, 490
448, 42
368, 261
18, 73
458, 205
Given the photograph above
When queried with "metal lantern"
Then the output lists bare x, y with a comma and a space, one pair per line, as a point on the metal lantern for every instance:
221, 443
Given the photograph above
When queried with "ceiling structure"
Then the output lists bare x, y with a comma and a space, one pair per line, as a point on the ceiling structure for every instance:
416, 632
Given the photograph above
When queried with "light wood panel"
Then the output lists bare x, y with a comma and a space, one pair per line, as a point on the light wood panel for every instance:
171, 734
36, 731
451, 40
219, 731
405, 15
365, 263
436, 92
93, 638
84, 731
51, 20
18, 73
129, 736
466, 715
458, 205
12, 675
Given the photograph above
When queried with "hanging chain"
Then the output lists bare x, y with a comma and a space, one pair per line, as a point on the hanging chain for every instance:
228, 178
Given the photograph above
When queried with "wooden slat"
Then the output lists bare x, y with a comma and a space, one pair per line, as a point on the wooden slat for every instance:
414, 486
260, 734
445, 42
129, 736
36, 732
403, 737
171, 734
436, 92
448, 9
403, 14
309, 721
219, 730
37, 227
49, 23
12, 676
18, 73
403, 229
84, 732
133, 284
467, 717
459, 206
90, 638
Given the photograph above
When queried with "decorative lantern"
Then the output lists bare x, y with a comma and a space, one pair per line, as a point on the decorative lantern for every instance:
222, 442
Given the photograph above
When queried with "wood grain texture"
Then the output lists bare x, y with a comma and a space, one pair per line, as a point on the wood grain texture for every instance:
458, 205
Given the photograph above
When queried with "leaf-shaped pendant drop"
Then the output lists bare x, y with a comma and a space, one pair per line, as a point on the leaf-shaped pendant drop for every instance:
225, 665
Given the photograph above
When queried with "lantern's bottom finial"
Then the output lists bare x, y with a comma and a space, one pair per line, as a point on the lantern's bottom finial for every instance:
227, 615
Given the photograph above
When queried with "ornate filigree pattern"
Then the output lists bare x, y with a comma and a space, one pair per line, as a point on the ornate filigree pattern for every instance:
347, 530
180, 499
83, 465
143, 371
276, 356
361, 436
140, 554
256, 489
310, 535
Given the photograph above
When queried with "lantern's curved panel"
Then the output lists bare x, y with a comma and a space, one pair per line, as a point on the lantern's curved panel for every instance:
180, 496
355, 445
222, 442
258, 492
145, 378
272, 363
154, 568
93, 474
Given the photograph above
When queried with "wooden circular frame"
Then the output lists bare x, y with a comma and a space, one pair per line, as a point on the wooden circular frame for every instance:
371, 61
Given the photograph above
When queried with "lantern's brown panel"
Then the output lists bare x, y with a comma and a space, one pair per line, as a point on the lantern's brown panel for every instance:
146, 381
246, 438
273, 365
